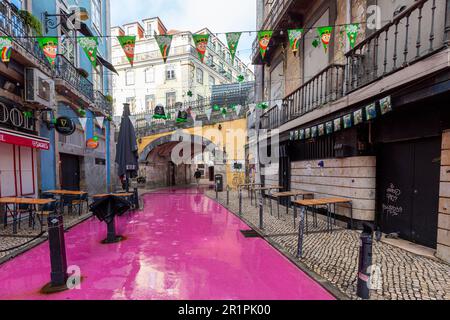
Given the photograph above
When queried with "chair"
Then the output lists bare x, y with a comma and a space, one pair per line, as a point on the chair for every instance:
68, 201
24, 209
79, 202
46, 210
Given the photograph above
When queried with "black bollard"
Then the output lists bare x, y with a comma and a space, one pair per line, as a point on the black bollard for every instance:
58, 259
261, 213
240, 201
365, 261
136, 199
228, 196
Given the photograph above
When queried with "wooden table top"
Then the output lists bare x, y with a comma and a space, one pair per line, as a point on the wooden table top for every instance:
11, 200
250, 184
321, 202
113, 194
292, 194
267, 188
66, 192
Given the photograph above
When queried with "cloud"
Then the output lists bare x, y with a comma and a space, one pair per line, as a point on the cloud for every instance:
192, 15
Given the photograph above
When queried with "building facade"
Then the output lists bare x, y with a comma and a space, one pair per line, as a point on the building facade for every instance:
369, 123
151, 81
34, 93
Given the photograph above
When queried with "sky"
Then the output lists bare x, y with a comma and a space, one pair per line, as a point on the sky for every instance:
192, 15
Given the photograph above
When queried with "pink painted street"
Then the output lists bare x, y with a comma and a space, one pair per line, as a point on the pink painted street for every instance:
183, 245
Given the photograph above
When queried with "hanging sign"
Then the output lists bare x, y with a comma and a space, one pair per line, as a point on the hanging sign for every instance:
164, 43
371, 111
295, 36
128, 44
201, 43
264, 37
49, 46
352, 31
358, 117
348, 121
90, 47
325, 36
321, 129
92, 143
329, 127
233, 41
337, 124
385, 105
65, 126
6, 49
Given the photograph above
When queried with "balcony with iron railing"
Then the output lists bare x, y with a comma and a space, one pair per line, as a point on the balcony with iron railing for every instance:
417, 33
13, 25
103, 103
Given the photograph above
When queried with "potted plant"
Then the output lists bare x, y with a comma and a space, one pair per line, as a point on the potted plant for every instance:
109, 98
31, 21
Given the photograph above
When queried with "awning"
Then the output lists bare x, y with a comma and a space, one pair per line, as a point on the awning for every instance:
24, 140
106, 64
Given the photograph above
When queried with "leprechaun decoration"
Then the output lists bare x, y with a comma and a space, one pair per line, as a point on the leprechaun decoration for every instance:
128, 44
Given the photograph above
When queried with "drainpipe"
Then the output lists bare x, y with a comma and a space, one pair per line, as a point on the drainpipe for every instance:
447, 24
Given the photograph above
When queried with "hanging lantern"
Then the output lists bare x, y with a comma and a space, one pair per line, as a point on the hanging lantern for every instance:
160, 114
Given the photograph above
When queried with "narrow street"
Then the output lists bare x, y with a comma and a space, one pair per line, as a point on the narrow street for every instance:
183, 245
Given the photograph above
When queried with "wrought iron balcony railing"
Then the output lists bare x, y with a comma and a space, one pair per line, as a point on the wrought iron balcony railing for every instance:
66, 71
12, 24
325, 87
417, 32
102, 102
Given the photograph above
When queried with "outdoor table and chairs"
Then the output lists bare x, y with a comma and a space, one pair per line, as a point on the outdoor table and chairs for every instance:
268, 189
289, 195
26, 205
249, 187
329, 204
70, 199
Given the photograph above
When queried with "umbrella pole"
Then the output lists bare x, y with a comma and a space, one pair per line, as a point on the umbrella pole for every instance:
127, 183
111, 235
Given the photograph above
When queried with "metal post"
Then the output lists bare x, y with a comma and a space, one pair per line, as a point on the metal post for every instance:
228, 195
447, 24
365, 262
57, 245
261, 213
301, 232
111, 226
240, 201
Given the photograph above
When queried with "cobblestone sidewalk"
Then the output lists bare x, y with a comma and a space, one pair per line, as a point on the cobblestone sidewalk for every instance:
334, 256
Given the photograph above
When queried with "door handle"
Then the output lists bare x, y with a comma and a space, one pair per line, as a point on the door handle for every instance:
416, 191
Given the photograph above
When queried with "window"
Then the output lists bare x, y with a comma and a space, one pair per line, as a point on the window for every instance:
97, 14
132, 102
212, 81
200, 100
17, 3
150, 102
200, 76
149, 30
171, 99
129, 78
170, 73
98, 78
149, 75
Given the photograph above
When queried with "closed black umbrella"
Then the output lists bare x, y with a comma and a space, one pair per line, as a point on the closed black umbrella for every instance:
127, 149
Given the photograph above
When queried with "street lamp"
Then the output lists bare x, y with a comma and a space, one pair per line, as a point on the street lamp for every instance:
51, 20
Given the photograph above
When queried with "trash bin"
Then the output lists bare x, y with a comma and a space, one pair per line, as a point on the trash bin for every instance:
219, 182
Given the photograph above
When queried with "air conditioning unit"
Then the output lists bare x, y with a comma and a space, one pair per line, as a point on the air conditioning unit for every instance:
39, 88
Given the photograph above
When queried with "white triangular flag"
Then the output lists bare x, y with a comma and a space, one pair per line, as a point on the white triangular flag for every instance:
100, 121
148, 118
133, 120
208, 113
117, 120
238, 109
279, 103
193, 115
83, 122
252, 107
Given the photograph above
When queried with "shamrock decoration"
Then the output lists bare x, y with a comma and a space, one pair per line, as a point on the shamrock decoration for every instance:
110, 118
82, 112
189, 94
95, 138
240, 78
315, 43
262, 105
224, 111
28, 114
216, 108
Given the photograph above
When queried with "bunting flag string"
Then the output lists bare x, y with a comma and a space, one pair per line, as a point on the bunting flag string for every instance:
264, 37
295, 35
49, 46
352, 31
90, 47
208, 113
325, 36
233, 42
6, 49
201, 44
238, 109
164, 43
128, 44
100, 121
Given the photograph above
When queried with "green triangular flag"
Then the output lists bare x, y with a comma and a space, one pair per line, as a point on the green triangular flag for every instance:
325, 36
6, 49
164, 43
233, 41
90, 47
128, 44
264, 37
49, 46
352, 33
294, 39
201, 43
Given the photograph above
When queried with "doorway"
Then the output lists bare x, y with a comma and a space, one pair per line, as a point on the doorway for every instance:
408, 189
70, 172
211, 173
171, 173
